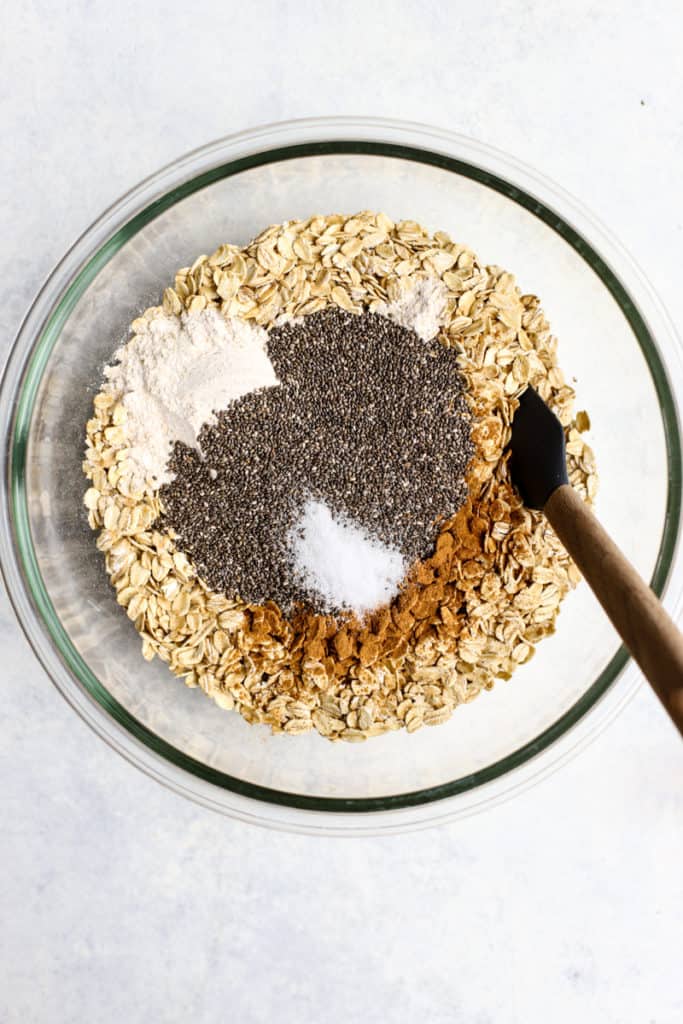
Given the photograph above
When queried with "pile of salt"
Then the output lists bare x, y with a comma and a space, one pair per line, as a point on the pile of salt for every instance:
341, 563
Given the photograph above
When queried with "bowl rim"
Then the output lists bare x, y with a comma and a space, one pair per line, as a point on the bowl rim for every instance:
40, 331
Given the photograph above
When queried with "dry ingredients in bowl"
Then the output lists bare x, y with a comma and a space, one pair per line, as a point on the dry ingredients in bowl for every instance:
367, 418
298, 472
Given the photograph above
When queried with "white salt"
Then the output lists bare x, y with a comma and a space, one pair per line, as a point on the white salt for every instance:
341, 563
176, 373
421, 307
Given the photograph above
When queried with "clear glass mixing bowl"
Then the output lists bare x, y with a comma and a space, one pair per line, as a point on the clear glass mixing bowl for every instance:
614, 339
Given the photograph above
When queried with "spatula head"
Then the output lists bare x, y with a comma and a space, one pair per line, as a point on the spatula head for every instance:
538, 462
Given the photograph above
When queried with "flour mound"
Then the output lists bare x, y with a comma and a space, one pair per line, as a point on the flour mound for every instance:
176, 373
421, 307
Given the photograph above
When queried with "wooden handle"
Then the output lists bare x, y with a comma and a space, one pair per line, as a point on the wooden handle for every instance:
637, 615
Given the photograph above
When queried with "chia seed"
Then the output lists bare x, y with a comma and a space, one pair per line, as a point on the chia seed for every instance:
368, 418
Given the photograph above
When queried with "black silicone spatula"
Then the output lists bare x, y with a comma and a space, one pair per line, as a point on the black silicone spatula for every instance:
539, 471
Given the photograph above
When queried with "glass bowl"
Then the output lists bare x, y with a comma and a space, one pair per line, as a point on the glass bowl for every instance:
615, 341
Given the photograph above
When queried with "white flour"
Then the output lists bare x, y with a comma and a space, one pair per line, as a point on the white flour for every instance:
420, 307
177, 374
342, 563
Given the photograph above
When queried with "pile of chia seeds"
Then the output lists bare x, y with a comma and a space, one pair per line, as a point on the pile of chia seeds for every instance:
368, 418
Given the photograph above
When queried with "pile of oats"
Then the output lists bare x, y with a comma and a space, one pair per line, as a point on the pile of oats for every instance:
467, 616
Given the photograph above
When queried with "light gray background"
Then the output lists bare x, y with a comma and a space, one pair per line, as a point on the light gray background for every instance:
120, 901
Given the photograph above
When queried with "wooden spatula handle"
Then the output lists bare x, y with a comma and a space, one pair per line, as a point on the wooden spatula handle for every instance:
637, 615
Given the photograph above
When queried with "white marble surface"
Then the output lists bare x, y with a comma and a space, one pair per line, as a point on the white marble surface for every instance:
122, 902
